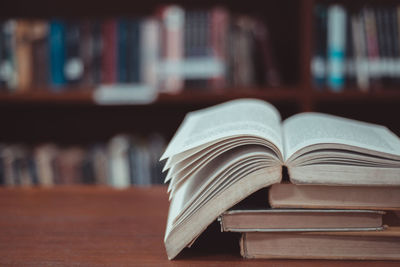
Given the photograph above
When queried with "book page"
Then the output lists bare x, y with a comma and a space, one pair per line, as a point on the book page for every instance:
307, 129
245, 117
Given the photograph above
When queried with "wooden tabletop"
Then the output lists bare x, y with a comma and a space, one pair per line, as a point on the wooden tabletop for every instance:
98, 226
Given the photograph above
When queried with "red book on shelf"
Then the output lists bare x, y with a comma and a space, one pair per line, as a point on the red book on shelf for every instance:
219, 37
108, 67
172, 18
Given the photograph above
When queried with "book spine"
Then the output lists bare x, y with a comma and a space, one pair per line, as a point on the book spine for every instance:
8, 66
98, 48
135, 57
395, 47
40, 57
57, 53
122, 47
336, 46
150, 52
74, 66
197, 47
318, 63
24, 54
86, 48
350, 75
372, 45
173, 25
268, 67
109, 55
219, 31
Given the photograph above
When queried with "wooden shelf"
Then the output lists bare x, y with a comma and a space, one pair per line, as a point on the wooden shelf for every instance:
85, 96
289, 94
48, 97
390, 95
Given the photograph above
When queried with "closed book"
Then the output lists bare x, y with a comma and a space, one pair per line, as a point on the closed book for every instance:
275, 220
109, 51
97, 50
8, 71
263, 47
118, 151
122, 48
318, 63
74, 65
57, 53
334, 197
40, 55
133, 53
23, 48
86, 50
363, 245
219, 31
45, 158
360, 53
172, 18
336, 46
149, 52
372, 51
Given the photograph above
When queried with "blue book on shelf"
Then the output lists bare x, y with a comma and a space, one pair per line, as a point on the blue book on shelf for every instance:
134, 53
336, 47
57, 53
122, 38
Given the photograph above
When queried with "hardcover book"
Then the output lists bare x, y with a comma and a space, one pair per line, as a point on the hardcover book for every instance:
222, 154
367, 245
300, 220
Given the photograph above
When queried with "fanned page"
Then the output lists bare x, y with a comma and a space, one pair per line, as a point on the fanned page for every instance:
219, 156
326, 149
234, 118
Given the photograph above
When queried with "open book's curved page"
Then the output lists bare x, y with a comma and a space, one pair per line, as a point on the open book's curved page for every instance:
308, 129
235, 118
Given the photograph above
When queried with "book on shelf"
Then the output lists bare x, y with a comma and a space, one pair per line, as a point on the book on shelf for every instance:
170, 50
123, 161
223, 154
364, 245
361, 47
299, 220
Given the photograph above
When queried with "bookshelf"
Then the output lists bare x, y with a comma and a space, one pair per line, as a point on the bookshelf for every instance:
71, 116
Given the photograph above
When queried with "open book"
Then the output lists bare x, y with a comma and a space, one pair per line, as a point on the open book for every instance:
222, 154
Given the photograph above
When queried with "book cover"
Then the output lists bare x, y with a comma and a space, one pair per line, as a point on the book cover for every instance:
365, 245
299, 220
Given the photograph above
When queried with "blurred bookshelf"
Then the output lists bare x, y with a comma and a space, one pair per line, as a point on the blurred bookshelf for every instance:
68, 115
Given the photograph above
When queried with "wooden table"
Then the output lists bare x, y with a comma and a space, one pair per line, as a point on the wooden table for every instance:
98, 226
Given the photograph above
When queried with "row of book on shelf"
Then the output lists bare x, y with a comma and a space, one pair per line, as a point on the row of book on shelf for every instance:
123, 161
171, 50
356, 48
311, 186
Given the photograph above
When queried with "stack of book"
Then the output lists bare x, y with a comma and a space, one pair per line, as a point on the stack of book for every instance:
316, 221
356, 48
173, 49
344, 175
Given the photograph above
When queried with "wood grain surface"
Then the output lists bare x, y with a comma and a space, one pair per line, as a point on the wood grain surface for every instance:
99, 226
